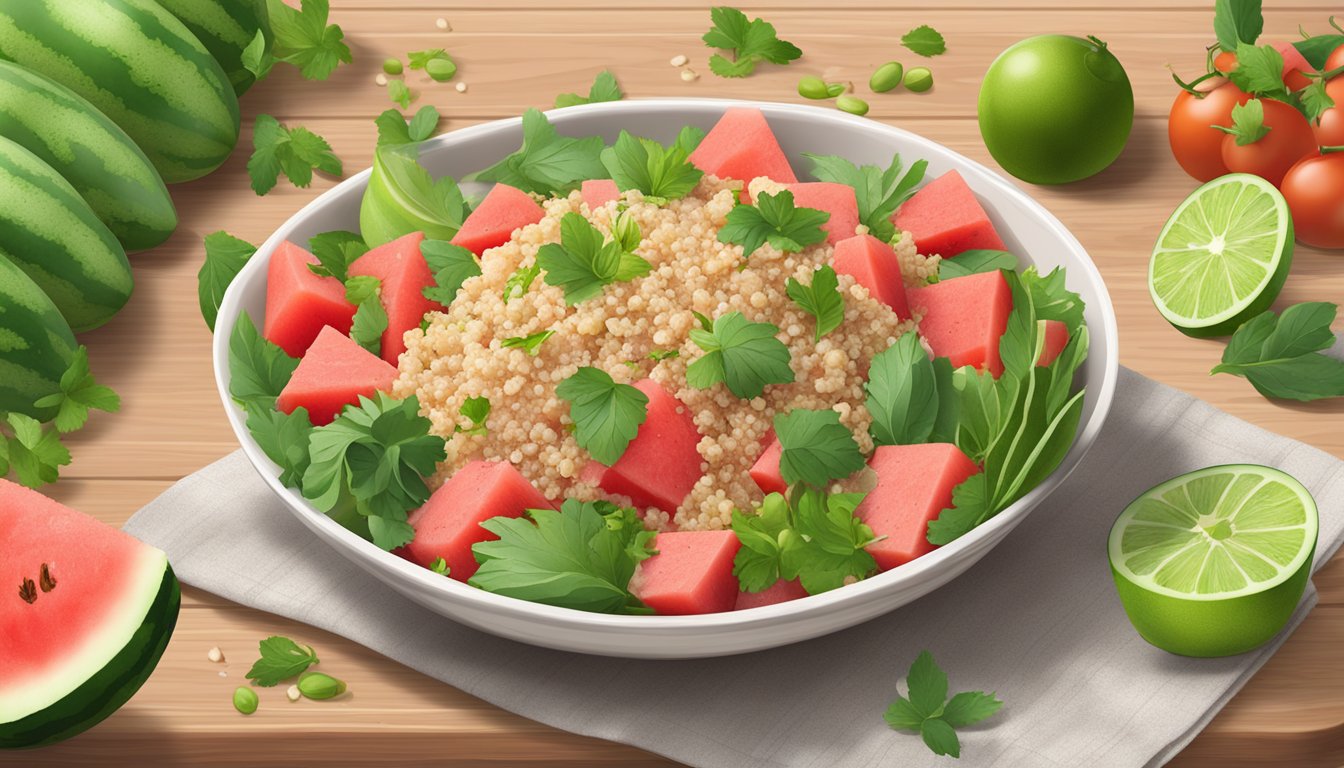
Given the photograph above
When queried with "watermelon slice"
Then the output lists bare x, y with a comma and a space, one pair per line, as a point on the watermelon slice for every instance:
964, 318
300, 304
1294, 65
836, 199
404, 275
1056, 338
661, 465
742, 146
333, 374
503, 210
598, 192
874, 265
78, 643
766, 469
945, 218
780, 592
692, 573
914, 486
450, 522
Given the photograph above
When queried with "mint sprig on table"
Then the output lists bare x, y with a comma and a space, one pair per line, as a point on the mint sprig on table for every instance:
930, 713
1281, 354
604, 88
296, 152
607, 414
814, 538
584, 261
821, 299
79, 393
281, 659
774, 219
878, 192
32, 452
742, 355
661, 173
750, 41
548, 163
925, 41
302, 37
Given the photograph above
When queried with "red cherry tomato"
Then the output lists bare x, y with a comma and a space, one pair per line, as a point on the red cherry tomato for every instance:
1314, 189
1289, 139
1335, 60
1330, 131
1225, 62
1197, 146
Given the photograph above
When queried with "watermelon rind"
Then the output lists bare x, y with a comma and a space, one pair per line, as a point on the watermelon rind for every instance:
108, 687
225, 28
140, 66
51, 233
36, 345
99, 160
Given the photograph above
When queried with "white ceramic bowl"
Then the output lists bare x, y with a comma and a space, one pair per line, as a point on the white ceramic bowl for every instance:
1029, 230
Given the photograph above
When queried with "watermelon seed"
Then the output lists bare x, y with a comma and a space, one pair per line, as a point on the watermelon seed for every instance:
45, 579
28, 591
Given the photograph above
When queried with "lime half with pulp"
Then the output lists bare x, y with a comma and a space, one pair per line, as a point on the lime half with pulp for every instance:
1223, 255
1213, 562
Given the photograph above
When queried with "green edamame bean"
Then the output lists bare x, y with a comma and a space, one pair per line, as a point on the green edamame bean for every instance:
835, 89
813, 88
852, 104
441, 69
919, 79
887, 77
392, 66
245, 700
315, 685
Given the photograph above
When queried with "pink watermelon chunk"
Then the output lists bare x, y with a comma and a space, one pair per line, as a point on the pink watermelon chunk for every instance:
333, 374
742, 146
661, 465
692, 573
598, 192
836, 199
404, 275
300, 304
450, 522
503, 210
780, 592
914, 486
1056, 338
945, 218
874, 265
766, 469
1294, 65
964, 318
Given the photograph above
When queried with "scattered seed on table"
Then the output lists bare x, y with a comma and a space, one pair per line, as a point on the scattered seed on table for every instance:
461, 87
852, 104
442, 24
919, 79
215, 655
678, 61
886, 77
689, 75
222, 673
293, 693
381, 79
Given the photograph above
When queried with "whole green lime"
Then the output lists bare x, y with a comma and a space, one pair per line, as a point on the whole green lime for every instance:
1056, 108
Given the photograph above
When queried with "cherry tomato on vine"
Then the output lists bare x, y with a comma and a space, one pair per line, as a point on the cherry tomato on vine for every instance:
1289, 139
1314, 189
1225, 62
1330, 131
1335, 60
1197, 146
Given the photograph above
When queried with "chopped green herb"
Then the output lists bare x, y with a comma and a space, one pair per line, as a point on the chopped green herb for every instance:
817, 448
661, 173
750, 41
773, 219
607, 414
531, 343
584, 260
34, 454
604, 88
439, 566
548, 163
296, 152
625, 230
931, 714
659, 355
878, 192
816, 539
400, 93
452, 265
225, 257
924, 40
1281, 354
822, 300
335, 252
476, 410
79, 393
705, 322
258, 369
1316, 101
520, 282
281, 659
303, 38
744, 356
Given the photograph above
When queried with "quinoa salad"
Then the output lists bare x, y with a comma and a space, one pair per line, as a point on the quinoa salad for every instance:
652, 378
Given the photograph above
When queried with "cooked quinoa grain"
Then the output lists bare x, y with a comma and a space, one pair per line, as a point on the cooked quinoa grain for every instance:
460, 353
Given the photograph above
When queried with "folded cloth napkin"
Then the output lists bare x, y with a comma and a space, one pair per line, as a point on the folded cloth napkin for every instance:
1037, 620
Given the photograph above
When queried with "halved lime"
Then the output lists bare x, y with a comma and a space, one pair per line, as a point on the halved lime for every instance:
1213, 562
1223, 255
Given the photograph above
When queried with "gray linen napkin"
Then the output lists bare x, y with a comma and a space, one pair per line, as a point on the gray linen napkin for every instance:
1037, 620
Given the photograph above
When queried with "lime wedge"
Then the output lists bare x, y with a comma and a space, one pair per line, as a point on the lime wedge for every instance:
1213, 562
1223, 255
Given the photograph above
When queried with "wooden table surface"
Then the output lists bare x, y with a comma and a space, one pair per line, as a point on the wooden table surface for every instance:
521, 53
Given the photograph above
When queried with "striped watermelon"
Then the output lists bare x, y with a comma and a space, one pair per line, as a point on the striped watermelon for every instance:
139, 65
52, 234
35, 343
225, 28
98, 159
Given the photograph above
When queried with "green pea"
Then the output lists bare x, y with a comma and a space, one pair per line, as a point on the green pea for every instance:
392, 66
814, 88
886, 77
316, 685
245, 700
919, 79
852, 104
441, 69
835, 89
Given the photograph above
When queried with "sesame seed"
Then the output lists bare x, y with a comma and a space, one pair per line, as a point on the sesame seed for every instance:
678, 61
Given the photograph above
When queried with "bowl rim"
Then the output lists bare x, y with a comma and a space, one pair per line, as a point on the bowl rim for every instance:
832, 602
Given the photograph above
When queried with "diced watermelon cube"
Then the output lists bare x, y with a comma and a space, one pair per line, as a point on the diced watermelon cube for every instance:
914, 486
1294, 65
503, 210
598, 192
1056, 338
333, 373
742, 146
766, 469
661, 465
450, 522
299, 304
401, 268
836, 199
945, 218
692, 573
964, 317
780, 592
874, 265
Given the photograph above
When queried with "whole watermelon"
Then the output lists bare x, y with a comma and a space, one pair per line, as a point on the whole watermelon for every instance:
225, 28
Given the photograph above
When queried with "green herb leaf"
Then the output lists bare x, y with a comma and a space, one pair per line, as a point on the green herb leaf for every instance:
902, 393
34, 454
452, 265
572, 559
744, 356
659, 355
878, 192
940, 737
604, 88
657, 171
974, 262
773, 219
284, 438
395, 130
258, 369
476, 410
399, 92
520, 282
969, 708
1259, 71
256, 57
1316, 101
759, 563
403, 198
822, 300
1248, 123
606, 414
1237, 22
225, 257
1281, 354
531, 343
281, 659
548, 163
833, 550
818, 449
931, 714
439, 566
750, 41
296, 152
303, 38
584, 261
689, 138
370, 317
1316, 49
79, 393
335, 252
924, 40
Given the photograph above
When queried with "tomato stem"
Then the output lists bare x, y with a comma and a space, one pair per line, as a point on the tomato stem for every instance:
1331, 150
1190, 86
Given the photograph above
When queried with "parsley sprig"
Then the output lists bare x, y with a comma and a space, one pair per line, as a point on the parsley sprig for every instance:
815, 538
370, 319
744, 356
302, 37
821, 299
604, 88
281, 659
548, 163
930, 713
606, 414
751, 41
776, 220
817, 448
451, 265
32, 452
336, 251
661, 173
296, 152
878, 192
79, 393
1281, 354
584, 261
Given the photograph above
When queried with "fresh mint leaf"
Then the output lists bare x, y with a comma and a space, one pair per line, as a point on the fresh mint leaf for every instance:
969, 708
659, 172
258, 369
475, 410
403, 198
604, 88
750, 42
531, 343
928, 685
303, 38
370, 316
79, 394
1237, 22
225, 257
607, 415
818, 449
335, 252
520, 282
451, 265
548, 163
939, 737
931, 714
745, 356
878, 192
34, 454
296, 152
822, 300
284, 438
584, 261
974, 262
1248, 123
281, 659
776, 220
400, 93
1281, 354
925, 41
903, 393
